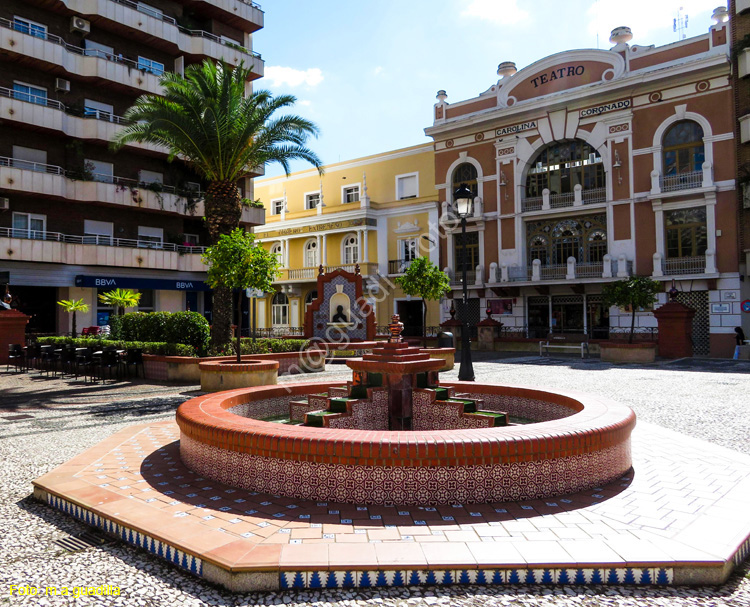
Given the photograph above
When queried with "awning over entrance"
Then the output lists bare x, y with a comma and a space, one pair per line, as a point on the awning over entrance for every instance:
133, 282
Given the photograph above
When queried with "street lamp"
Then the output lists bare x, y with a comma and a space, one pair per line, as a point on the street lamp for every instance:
463, 200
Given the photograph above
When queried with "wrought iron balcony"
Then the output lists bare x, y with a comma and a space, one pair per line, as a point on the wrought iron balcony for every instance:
685, 265
682, 181
398, 266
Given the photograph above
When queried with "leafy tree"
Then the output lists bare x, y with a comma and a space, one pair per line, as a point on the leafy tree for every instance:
424, 279
120, 299
636, 292
206, 119
71, 306
237, 262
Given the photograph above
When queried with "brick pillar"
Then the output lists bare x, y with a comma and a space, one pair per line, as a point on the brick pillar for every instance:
12, 331
675, 330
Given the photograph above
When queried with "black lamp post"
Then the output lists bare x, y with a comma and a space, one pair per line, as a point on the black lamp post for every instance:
463, 201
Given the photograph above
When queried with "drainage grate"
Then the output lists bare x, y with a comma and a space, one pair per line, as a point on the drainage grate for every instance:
75, 543
13, 418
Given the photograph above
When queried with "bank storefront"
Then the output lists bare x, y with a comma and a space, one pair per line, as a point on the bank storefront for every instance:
36, 289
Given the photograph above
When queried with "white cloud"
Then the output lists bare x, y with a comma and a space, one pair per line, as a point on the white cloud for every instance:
378, 70
502, 12
646, 17
305, 102
289, 76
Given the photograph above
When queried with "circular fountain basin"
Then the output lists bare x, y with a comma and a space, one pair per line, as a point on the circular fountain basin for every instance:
227, 374
579, 442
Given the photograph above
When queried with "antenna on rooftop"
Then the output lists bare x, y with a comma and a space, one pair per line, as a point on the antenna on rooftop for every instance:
680, 25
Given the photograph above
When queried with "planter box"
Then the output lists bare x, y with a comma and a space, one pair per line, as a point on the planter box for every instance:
446, 354
184, 369
217, 376
614, 352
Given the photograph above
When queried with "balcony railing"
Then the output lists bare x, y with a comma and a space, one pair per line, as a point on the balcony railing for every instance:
123, 182
99, 240
398, 266
311, 273
517, 273
471, 277
553, 272
685, 265
591, 269
29, 98
557, 201
594, 195
532, 204
682, 181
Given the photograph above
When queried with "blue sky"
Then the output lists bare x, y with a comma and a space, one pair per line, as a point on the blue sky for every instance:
366, 72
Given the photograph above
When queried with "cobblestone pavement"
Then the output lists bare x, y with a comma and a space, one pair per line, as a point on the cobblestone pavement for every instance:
708, 400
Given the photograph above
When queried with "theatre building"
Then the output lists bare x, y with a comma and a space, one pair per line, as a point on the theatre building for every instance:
75, 218
376, 213
593, 165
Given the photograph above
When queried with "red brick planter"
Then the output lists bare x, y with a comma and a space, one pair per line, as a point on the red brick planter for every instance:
618, 352
586, 445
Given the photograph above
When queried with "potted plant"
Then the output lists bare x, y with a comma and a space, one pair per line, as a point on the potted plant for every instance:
71, 306
634, 293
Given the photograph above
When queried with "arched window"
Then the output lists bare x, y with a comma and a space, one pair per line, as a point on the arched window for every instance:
566, 237
351, 249
465, 173
311, 254
597, 246
280, 310
538, 247
552, 241
276, 250
563, 165
682, 148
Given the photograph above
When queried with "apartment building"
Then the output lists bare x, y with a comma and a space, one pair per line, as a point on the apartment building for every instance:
740, 34
592, 165
75, 218
378, 213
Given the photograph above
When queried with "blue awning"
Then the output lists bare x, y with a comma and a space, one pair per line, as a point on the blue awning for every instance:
133, 282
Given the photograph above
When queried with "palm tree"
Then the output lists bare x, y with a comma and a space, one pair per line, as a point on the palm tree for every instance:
71, 306
120, 299
206, 119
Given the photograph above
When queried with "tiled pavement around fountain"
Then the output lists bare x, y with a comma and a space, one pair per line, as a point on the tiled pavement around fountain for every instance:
679, 517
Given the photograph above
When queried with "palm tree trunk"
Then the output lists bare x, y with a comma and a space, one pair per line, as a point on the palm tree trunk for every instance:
74, 324
223, 211
632, 325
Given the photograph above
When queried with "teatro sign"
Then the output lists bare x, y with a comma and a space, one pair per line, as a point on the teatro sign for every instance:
320, 227
561, 72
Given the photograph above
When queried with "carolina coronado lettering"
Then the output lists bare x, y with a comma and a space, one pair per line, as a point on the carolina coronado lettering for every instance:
507, 130
561, 72
607, 107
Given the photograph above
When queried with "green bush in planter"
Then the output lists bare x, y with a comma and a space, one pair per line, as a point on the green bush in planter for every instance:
144, 326
189, 328
161, 348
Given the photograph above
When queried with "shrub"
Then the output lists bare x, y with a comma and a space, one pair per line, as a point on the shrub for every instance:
148, 347
188, 328
115, 326
262, 346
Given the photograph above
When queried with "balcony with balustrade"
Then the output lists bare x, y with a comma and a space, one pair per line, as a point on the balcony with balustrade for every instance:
594, 271
677, 184
397, 267
53, 115
97, 250
577, 198
310, 274
695, 265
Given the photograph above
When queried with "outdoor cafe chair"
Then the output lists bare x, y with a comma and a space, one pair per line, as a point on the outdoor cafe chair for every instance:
109, 360
16, 357
133, 358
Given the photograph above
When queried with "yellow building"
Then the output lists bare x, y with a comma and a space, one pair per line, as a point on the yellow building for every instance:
379, 212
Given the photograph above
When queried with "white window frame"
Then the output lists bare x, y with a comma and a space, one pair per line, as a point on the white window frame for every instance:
311, 246
30, 96
27, 232
98, 232
104, 172
278, 250
353, 249
149, 65
308, 196
280, 313
97, 109
97, 49
192, 239
399, 178
402, 248
277, 206
350, 186
150, 237
31, 26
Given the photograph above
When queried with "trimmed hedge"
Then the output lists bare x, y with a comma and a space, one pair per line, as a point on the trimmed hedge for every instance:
262, 346
189, 328
148, 347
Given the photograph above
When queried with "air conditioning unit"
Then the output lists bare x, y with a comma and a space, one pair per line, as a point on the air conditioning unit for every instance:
4, 203
80, 25
62, 85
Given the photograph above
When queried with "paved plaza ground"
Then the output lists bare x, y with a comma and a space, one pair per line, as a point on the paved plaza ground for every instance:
45, 422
